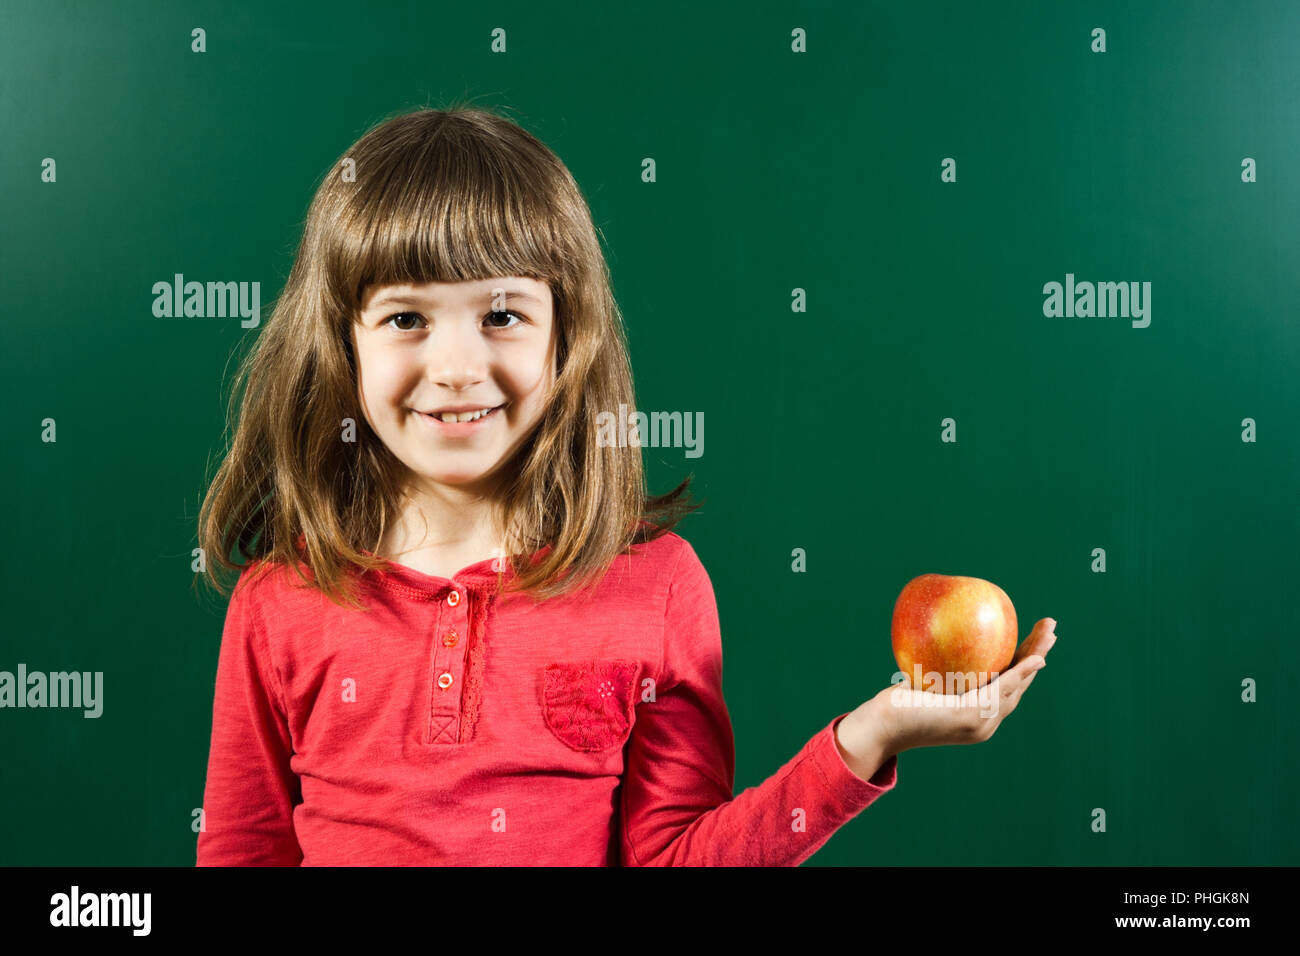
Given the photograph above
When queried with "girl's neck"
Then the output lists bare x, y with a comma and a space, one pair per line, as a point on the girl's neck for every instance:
466, 534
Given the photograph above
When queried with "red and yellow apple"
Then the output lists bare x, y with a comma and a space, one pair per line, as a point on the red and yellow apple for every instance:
950, 625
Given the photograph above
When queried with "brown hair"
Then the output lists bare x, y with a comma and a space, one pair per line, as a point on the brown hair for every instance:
439, 196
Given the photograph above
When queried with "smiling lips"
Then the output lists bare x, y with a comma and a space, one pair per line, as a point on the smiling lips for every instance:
460, 418
463, 416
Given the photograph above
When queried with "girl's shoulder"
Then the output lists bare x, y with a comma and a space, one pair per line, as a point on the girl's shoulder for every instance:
263, 579
671, 555
668, 547
253, 582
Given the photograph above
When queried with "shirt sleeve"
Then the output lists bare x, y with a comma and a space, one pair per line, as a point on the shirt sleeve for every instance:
251, 791
677, 806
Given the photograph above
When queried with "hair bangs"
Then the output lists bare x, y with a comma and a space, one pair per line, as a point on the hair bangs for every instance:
446, 208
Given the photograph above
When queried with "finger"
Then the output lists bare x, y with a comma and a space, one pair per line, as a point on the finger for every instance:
1043, 634
1039, 641
1013, 701
1020, 674
1029, 679
1007, 683
1023, 683
1016, 690
1004, 685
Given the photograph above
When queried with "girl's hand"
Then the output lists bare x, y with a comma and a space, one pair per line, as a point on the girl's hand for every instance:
900, 717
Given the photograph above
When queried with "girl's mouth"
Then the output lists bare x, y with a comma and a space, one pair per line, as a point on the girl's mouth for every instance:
461, 427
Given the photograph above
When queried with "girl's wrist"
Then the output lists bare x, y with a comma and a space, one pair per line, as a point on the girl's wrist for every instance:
863, 741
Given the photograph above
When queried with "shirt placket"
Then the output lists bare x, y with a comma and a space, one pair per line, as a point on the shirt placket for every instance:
447, 666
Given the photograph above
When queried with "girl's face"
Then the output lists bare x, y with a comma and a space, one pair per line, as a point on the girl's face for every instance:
482, 344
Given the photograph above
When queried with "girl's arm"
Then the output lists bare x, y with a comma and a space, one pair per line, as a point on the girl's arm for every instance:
251, 790
676, 805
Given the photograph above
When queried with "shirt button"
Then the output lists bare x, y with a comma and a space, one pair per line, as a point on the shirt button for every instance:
450, 638
453, 598
444, 681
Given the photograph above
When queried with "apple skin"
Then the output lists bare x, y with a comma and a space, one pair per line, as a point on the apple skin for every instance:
950, 624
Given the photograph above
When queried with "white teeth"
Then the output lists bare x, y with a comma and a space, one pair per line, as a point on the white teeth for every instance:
463, 416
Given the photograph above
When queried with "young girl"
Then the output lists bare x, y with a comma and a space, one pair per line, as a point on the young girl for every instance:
459, 635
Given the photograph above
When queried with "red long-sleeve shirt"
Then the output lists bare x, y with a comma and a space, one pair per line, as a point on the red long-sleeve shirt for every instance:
449, 725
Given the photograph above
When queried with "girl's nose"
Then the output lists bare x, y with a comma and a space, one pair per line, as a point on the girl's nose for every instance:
458, 356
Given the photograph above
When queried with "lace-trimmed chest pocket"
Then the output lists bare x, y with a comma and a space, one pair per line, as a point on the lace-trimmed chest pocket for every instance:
588, 705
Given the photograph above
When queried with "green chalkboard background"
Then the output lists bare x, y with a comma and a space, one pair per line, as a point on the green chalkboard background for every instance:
777, 170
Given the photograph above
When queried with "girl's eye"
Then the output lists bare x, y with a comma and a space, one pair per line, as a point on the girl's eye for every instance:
412, 315
507, 315
403, 315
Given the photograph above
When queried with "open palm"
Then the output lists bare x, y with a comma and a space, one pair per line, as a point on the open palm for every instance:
917, 718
